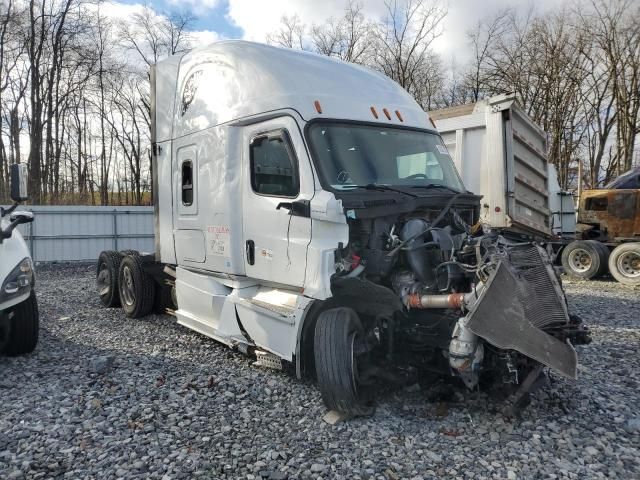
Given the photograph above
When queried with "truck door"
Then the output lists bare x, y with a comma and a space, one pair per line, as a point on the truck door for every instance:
188, 235
277, 185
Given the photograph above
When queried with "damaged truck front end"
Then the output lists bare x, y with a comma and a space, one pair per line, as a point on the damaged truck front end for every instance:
422, 286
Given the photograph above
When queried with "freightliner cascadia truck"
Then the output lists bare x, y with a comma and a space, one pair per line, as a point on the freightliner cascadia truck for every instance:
307, 212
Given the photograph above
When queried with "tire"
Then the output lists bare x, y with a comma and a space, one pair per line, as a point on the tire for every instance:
107, 278
624, 263
24, 327
583, 259
604, 258
136, 288
336, 333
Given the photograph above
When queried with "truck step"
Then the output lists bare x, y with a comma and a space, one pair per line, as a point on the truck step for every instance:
268, 360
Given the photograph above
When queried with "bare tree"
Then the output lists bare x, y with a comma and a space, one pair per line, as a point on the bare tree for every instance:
616, 30
348, 38
405, 39
482, 40
291, 33
155, 36
13, 85
538, 58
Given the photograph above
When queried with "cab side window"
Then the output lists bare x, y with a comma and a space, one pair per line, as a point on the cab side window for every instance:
187, 183
273, 166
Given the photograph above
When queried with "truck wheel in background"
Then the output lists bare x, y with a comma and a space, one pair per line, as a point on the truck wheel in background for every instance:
24, 327
137, 288
107, 278
583, 259
624, 263
604, 257
337, 335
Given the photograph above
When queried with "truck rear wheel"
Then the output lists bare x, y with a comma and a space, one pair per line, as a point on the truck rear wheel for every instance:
337, 336
107, 278
584, 259
604, 257
137, 288
624, 263
24, 327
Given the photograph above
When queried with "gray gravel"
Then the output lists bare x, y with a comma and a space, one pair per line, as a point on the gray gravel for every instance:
108, 397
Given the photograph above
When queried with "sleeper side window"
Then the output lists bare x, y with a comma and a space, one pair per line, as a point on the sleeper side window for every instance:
274, 166
187, 182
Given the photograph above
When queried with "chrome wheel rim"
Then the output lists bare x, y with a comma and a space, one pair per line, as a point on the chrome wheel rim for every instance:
629, 264
580, 260
126, 286
104, 279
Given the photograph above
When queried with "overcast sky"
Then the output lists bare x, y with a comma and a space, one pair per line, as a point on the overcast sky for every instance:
253, 19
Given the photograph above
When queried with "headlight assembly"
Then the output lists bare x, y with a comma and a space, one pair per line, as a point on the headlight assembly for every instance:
18, 281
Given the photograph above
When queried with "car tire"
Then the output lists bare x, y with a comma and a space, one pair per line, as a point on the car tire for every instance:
107, 278
136, 287
24, 327
583, 259
624, 263
337, 332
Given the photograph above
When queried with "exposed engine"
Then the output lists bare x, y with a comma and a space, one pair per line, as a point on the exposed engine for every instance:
437, 292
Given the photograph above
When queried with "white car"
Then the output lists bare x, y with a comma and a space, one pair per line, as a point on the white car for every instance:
19, 318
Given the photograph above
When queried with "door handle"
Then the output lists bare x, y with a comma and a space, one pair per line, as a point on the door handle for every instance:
250, 249
297, 208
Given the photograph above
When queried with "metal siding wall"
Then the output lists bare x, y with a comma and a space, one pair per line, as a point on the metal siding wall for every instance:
70, 233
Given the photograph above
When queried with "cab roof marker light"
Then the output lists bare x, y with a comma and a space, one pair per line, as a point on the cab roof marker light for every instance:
399, 116
386, 113
318, 106
373, 111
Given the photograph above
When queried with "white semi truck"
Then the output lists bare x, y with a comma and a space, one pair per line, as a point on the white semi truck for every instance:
308, 213
19, 318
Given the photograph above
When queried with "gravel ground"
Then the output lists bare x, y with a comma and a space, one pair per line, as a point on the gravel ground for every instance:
169, 403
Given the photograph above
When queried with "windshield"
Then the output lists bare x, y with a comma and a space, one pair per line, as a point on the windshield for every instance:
355, 155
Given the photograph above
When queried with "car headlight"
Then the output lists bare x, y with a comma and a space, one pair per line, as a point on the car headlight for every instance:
18, 281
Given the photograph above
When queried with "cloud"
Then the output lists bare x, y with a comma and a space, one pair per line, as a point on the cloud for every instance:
197, 7
119, 11
204, 37
257, 18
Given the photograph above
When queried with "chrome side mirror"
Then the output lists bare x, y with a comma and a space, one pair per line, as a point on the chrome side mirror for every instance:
21, 217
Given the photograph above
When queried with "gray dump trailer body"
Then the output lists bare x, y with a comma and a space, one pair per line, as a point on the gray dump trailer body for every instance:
501, 154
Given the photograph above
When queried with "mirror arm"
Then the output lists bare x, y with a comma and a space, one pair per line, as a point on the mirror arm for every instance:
4, 234
9, 210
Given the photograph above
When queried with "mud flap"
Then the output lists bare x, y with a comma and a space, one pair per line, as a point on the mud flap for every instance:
499, 317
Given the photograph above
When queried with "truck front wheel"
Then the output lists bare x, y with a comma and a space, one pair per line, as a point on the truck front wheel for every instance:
23, 327
136, 286
624, 263
338, 335
584, 259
